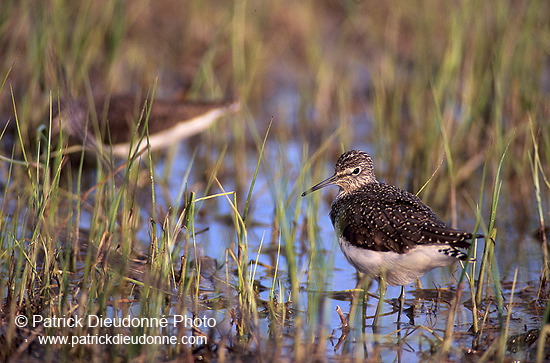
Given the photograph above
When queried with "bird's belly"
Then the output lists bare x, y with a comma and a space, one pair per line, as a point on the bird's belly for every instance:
398, 268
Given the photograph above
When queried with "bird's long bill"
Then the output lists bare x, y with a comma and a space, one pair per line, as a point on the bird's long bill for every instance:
324, 183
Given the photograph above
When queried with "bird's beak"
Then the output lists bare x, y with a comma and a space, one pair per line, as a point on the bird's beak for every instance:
324, 183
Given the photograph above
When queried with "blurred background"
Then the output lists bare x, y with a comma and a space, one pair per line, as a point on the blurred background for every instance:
408, 82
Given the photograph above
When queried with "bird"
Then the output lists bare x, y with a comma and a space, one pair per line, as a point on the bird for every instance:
386, 232
121, 121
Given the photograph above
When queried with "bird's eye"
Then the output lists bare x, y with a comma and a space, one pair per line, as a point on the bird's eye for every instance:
356, 171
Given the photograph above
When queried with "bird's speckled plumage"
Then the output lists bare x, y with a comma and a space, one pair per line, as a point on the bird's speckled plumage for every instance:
384, 230
382, 217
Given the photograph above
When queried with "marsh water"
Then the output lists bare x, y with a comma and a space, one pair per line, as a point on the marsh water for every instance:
335, 307
327, 278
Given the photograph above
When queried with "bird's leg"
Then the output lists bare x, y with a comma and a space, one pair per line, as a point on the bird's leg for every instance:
401, 304
382, 294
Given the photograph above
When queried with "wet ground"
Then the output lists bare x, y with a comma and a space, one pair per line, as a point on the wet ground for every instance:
421, 330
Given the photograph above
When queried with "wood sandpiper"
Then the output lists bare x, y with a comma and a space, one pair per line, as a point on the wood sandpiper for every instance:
386, 232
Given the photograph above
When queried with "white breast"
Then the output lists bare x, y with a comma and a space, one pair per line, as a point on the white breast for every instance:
399, 268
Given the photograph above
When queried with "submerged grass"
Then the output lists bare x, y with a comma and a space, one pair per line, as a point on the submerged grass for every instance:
229, 238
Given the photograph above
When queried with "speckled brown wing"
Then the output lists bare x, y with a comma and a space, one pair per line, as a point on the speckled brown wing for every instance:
382, 217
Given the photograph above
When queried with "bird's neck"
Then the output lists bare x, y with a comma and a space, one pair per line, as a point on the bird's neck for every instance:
352, 189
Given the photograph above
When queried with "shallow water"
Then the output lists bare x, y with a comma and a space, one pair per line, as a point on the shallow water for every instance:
327, 281
419, 334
